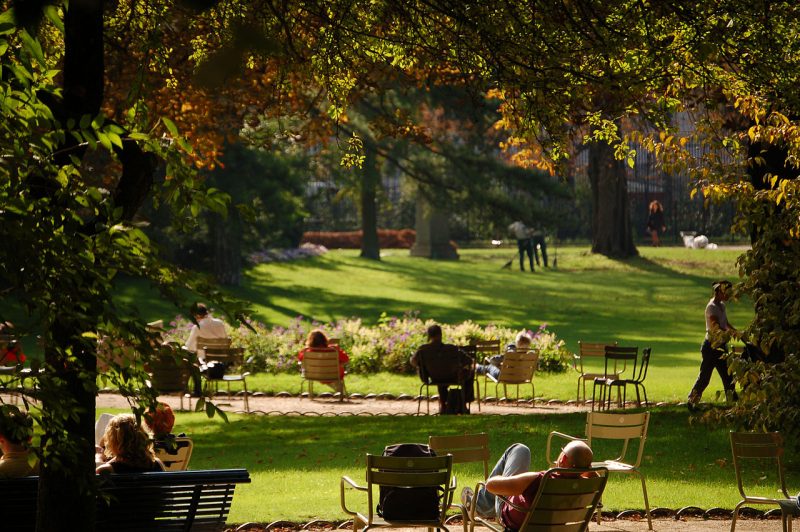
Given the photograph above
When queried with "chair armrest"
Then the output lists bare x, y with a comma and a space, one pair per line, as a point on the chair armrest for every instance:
563, 437
344, 484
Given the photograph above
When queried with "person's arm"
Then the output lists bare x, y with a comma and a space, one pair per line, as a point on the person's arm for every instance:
513, 485
191, 342
414, 361
343, 358
104, 468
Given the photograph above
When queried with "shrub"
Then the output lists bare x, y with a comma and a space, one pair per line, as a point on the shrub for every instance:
387, 346
387, 238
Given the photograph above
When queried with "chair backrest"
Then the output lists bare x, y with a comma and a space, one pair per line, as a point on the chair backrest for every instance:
518, 367
175, 455
333, 341
616, 356
405, 472
203, 343
487, 347
624, 427
321, 364
169, 373
465, 448
566, 500
592, 351
644, 363
767, 446
449, 366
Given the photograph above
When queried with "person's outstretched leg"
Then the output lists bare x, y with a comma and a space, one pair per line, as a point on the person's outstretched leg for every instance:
521, 248
516, 459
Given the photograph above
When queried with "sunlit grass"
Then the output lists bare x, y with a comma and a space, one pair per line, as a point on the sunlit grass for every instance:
296, 462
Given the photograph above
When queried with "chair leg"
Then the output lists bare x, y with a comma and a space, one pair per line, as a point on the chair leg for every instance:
246, 397
735, 514
646, 501
644, 392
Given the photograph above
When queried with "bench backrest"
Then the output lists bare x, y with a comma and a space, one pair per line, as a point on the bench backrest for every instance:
162, 501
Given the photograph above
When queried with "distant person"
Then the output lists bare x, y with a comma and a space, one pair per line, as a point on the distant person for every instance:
655, 222
126, 448
10, 349
206, 327
521, 342
444, 363
317, 341
512, 479
718, 332
524, 243
538, 244
16, 431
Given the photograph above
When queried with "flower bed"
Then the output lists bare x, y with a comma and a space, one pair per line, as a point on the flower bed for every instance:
386, 346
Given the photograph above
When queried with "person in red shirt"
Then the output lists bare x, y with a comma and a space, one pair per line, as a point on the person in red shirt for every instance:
10, 349
511, 478
317, 341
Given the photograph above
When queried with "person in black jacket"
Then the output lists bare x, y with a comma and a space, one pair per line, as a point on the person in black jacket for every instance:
655, 222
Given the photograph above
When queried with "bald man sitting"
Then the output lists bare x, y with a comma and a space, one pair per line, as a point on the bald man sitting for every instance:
511, 478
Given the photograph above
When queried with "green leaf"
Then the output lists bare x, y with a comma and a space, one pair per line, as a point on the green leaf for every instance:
171, 127
52, 14
33, 46
201, 403
7, 24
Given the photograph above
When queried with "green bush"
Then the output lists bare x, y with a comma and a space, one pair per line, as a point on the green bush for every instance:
387, 346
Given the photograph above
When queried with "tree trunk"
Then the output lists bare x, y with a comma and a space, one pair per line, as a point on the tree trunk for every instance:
66, 500
226, 236
611, 223
370, 177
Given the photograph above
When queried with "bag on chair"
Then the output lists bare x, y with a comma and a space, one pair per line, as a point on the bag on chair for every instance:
409, 504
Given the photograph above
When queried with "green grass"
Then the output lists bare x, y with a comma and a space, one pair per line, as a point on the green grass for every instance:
654, 300
296, 462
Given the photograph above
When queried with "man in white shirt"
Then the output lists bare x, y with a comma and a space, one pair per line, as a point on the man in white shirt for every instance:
206, 327
524, 243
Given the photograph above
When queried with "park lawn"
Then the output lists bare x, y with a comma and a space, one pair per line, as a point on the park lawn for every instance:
296, 462
654, 300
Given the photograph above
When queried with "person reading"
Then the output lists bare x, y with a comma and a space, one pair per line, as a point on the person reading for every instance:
205, 327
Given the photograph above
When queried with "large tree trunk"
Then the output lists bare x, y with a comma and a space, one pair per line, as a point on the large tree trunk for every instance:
370, 177
226, 236
66, 499
611, 223
66, 486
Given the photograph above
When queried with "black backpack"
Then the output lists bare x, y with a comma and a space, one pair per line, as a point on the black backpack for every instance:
409, 504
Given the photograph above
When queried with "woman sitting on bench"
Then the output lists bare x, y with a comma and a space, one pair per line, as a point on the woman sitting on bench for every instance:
126, 448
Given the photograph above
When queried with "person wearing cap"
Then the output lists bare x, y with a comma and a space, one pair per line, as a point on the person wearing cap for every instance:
718, 332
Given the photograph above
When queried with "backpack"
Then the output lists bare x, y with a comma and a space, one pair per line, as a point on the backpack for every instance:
409, 504
455, 404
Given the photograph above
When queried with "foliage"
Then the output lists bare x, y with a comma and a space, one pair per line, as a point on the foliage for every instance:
386, 346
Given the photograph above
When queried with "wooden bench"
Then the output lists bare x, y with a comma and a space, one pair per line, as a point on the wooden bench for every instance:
162, 501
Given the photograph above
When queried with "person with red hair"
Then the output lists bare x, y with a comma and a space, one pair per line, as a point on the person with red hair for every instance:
317, 341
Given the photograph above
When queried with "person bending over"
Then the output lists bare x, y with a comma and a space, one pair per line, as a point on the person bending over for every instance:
512, 479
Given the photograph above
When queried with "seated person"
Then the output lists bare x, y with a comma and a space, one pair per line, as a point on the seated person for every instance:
444, 363
511, 478
206, 327
16, 431
126, 448
160, 419
522, 342
10, 349
317, 341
